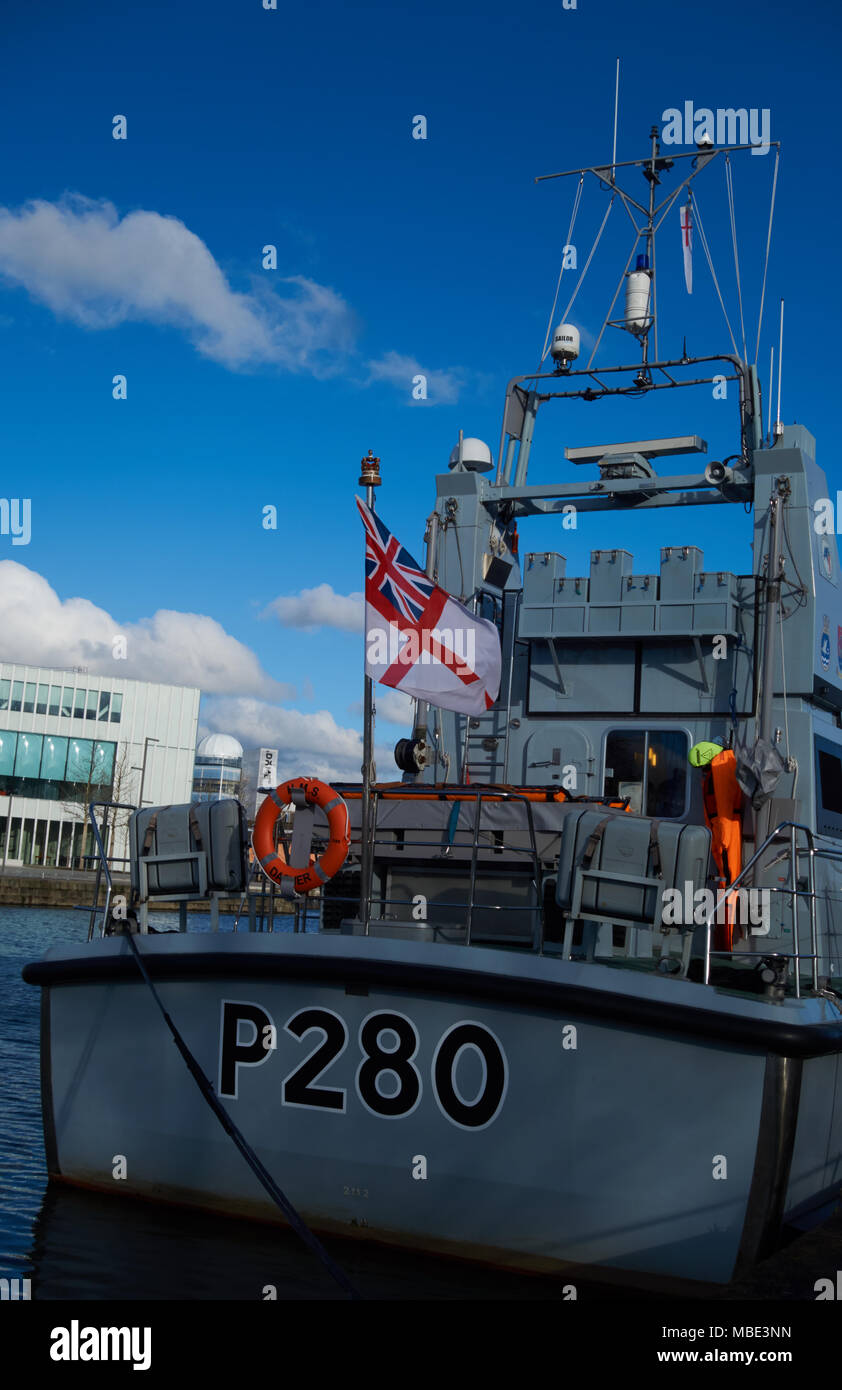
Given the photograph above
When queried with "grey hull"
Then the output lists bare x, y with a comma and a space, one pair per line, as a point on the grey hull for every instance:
663, 1133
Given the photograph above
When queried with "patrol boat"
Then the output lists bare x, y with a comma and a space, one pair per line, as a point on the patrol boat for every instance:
539, 1022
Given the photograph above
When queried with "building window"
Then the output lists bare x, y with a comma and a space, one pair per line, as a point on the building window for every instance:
54, 758
104, 699
5, 691
65, 847
17, 697
650, 768
52, 845
79, 760
26, 841
49, 767
13, 846
28, 759
29, 698
8, 745
39, 842
102, 768
66, 702
55, 699
116, 708
93, 701
79, 707
41, 703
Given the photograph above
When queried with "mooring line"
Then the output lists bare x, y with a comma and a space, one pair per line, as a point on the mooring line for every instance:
261, 1173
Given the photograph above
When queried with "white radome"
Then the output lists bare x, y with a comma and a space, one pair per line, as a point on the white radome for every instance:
475, 455
638, 287
565, 344
219, 746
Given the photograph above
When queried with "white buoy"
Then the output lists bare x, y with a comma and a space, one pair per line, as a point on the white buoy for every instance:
565, 344
638, 290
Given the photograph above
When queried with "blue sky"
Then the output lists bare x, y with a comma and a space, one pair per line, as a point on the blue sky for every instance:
248, 387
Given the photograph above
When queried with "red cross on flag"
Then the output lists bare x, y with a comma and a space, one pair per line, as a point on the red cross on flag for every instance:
687, 245
417, 637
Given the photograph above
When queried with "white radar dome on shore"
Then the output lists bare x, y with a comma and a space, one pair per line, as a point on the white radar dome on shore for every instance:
565, 344
475, 455
219, 746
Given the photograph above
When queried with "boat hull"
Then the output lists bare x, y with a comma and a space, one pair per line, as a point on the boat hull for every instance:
518, 1110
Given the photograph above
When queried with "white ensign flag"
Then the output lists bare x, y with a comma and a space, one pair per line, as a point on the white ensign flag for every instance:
687, 245
418, 638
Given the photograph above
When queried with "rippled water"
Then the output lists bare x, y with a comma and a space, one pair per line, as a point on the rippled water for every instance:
24, 934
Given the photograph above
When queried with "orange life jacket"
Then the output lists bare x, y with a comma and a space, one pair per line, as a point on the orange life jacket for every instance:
723, 801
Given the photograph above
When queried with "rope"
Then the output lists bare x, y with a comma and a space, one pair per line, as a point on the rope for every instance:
783, 678
461, 567
613, 301
729, 184
567, 242
785, 528
668, 205
590, 258
709, 259
261, 1173
766, 263
654, 283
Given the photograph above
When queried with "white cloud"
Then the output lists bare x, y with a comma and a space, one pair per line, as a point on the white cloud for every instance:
87, 264
320, 607
393, 706
39, 628
308, 744
399, 370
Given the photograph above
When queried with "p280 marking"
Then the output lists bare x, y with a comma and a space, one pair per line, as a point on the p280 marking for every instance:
388, 1044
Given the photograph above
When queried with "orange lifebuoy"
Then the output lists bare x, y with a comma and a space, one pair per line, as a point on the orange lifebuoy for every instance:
273, 863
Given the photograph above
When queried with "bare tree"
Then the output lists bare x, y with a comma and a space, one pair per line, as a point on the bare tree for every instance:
246, 793
123, 787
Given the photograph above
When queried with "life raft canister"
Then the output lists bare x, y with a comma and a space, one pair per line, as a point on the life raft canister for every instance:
273, 863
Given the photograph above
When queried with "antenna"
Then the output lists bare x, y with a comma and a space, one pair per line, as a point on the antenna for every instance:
779, 429
616, 108
771, 392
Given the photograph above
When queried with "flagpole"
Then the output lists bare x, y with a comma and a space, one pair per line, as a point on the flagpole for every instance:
422, 707
369, 479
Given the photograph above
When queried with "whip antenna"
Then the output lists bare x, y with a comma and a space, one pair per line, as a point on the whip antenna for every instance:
779, 429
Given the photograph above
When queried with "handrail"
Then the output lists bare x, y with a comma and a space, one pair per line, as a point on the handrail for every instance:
793, 827
103, 860
476, 795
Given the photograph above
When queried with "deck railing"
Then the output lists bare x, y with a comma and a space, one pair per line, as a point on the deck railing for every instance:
785, 834
476, 796
795, 853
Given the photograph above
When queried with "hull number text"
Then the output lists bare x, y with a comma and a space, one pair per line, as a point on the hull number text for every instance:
388, 1080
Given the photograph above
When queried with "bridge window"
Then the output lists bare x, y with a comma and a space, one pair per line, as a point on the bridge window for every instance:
828, 787
649, 766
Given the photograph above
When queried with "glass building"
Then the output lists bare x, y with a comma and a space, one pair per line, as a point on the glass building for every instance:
68, 738
218, 768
